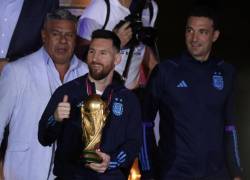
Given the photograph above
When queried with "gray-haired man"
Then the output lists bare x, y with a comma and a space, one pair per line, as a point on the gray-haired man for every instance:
25, 88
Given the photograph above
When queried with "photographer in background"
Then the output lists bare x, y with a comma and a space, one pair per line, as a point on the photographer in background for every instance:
107, 14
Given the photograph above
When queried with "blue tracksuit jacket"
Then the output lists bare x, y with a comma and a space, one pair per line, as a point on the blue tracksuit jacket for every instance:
197, 132
121, 137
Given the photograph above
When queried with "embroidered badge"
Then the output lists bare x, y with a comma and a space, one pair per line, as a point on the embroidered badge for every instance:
117, 108
218, 81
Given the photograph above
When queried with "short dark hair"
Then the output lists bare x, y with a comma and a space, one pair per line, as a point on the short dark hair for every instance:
60, 14
205, 10
106, 34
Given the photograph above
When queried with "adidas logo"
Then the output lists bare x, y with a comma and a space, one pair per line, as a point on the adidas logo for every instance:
182, 84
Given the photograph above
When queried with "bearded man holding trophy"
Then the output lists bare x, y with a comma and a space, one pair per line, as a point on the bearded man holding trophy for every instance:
94, 120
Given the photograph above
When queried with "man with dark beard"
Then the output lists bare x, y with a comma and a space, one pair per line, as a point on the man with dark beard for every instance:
61, 120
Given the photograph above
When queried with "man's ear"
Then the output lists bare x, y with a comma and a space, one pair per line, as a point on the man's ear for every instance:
216, 35
117, 58
43, 35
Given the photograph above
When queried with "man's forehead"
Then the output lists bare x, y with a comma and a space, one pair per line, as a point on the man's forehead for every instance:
100, 48
199, 22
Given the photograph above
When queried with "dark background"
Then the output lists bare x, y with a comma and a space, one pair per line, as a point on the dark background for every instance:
233, 45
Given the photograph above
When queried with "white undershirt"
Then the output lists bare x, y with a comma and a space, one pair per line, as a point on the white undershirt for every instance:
98, 92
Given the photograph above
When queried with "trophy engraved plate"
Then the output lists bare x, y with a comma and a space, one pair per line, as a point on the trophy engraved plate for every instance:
94, 112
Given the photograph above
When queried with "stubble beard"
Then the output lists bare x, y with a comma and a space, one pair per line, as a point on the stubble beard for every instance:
99, 75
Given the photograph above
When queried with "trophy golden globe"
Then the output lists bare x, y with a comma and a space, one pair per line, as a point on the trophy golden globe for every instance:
94, 112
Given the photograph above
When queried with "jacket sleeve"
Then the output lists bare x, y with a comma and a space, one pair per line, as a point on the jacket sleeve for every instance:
9, 88
90, 20
232, 151
125, 155
149, 110
86, 26
49, 129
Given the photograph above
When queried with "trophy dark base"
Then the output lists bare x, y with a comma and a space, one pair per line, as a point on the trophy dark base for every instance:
90, 156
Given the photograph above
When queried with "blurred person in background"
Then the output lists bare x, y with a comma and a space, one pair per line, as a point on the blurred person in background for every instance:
20, 27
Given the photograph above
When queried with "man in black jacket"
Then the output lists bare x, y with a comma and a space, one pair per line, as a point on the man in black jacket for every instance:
194, 94
61, 122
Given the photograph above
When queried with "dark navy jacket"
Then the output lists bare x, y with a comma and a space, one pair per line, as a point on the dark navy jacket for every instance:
26, 37
121, 137
195, 102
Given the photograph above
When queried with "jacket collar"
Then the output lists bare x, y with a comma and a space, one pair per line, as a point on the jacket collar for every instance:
115, 85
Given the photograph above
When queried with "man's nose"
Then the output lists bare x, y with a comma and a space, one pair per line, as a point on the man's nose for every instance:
95, 56
194, 36
63, 38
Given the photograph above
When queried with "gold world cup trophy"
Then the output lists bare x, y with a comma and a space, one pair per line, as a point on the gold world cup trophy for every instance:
94, 113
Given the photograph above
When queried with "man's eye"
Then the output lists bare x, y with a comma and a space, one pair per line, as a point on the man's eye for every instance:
188, 30
69, 35
55, 34
203, 31
103, 52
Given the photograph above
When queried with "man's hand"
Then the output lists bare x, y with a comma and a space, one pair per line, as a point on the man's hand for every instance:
3, 62
62, 110
100, 167
124, 33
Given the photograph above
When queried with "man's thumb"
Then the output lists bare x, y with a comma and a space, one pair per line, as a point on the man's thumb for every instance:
65, 98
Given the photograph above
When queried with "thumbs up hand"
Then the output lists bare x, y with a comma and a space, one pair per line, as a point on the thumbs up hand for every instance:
62, 110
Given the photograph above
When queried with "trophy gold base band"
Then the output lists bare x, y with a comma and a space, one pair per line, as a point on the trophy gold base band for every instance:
90, 156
